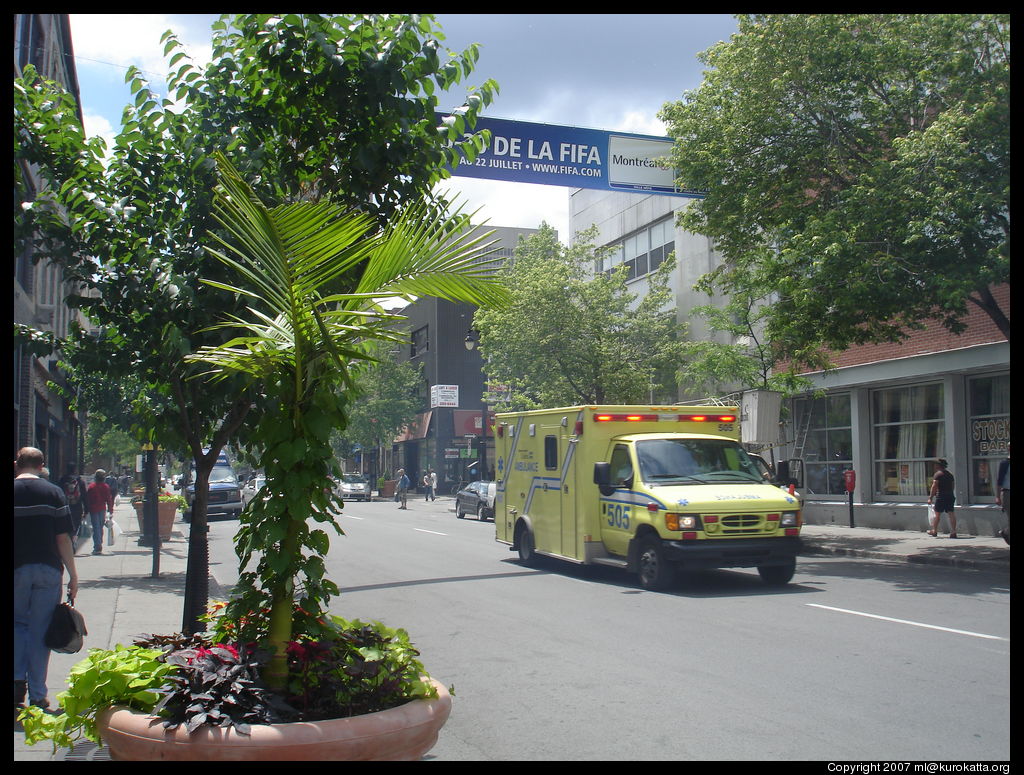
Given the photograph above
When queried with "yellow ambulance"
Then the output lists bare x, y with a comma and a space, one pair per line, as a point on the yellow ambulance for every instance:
648, 489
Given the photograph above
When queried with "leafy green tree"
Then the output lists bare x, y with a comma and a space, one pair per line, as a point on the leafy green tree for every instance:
114, 445
337, 106
385, 399
749, 361
295, 341
857, 168
572, 337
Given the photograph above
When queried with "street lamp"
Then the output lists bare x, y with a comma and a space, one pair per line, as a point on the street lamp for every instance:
472, 337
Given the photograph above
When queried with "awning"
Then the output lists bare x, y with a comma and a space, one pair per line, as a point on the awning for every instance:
416, 430
467, 423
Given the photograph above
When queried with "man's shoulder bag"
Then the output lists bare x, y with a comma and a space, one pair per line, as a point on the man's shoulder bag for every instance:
66, 632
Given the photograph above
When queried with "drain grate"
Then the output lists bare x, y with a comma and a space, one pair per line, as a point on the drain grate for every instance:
87, 751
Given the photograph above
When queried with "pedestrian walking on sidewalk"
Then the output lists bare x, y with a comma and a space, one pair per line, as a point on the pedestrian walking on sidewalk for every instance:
944, 498
403, 487
43, 548
99, 501
1003, 492
429, 481
74, 491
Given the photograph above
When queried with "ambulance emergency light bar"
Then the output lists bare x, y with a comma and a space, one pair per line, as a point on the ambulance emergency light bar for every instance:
664, 418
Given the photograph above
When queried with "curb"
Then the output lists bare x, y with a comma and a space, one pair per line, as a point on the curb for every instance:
817, 548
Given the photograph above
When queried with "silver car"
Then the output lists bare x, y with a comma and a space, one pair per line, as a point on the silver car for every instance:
253, 486
353, 487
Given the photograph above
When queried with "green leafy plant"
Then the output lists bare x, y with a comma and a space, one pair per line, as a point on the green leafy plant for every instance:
125, 675
177, 500
359, 667
305, 326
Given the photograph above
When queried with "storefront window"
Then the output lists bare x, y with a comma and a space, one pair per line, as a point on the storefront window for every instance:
909, 433
989, 430
829, 447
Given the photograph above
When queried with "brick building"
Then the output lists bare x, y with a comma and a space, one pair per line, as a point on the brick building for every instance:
42, 417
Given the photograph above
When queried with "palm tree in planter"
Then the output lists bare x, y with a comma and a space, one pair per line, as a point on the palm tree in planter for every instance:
312, 272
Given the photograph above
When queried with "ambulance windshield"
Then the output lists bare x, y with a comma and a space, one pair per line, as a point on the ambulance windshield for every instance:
670, 461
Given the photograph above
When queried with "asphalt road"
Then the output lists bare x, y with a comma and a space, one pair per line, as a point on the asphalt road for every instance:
855, 660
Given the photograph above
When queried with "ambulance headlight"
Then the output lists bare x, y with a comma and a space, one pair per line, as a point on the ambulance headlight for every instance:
789, 519
677, 522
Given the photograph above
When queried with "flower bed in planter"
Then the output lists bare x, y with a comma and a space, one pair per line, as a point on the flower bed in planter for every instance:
404, 733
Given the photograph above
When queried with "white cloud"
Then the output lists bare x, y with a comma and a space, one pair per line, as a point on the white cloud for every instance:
521, 205
95, 124
124, 39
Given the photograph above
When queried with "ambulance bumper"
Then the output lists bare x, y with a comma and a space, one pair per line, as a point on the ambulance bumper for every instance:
733, 553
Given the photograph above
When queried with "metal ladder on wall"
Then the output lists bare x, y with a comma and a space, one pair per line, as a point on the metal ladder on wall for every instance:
803, 430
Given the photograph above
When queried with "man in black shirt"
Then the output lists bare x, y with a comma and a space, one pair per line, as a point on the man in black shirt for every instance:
43, 547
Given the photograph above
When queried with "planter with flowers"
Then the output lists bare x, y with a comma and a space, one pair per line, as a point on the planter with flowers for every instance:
275, 668
167, 509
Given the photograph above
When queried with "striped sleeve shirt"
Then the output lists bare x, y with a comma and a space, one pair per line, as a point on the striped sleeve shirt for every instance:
40, 513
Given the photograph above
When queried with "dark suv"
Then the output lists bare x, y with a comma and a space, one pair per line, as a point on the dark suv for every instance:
225, 498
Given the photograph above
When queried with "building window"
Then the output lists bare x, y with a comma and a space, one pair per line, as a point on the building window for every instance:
989, 430
642, 252
909, 433
828, 449
419, 342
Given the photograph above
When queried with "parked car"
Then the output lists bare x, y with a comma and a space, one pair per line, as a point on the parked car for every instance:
476, 498
354, 487
253, 486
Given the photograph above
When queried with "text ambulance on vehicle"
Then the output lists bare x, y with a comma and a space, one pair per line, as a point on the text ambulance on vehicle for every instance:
648, 489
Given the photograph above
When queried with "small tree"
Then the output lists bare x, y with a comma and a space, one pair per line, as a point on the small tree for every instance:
572, 336
385, 398
748, 361
296, 340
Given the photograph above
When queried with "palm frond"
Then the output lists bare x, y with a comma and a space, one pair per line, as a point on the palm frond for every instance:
287, 260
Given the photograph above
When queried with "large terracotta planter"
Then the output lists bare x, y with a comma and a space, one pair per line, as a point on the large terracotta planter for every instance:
404, 733
387, 488
166, 513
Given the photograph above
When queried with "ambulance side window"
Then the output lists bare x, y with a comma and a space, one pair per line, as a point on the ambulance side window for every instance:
551, 452
621, 466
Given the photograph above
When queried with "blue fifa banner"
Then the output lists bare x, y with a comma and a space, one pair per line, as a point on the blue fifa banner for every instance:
522, 152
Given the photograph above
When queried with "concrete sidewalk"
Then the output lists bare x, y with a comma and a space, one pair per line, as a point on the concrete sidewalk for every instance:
121, 599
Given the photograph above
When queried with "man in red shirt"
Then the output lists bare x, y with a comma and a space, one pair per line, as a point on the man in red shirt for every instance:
99, 501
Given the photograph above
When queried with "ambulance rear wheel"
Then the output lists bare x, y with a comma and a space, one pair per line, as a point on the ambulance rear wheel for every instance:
777, 575
525, 547
656, 571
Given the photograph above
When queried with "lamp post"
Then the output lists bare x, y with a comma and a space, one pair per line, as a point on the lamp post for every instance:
472, 337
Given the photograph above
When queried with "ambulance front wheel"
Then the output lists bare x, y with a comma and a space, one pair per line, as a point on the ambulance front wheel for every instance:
777, 575
656, 570
525, 546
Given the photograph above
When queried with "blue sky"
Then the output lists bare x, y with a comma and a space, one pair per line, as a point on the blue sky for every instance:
604, 71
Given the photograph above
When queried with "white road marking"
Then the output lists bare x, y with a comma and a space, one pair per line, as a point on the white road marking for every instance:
421, 530
907, 621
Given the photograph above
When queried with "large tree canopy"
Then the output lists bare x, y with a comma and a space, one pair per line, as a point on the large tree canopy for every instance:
857, 169
310, 106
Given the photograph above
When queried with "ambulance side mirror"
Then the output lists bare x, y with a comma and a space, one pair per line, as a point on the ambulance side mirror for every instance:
603, 478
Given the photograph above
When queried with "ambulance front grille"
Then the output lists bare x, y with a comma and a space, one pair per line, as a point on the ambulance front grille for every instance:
738, 524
